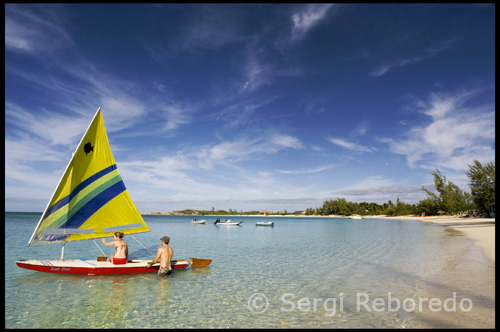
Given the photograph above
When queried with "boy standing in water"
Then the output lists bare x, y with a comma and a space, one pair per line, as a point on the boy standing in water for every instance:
164, 257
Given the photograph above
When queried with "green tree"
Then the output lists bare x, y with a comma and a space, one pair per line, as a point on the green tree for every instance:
310, 211
339, 206
427, 206
482, 184
451, 198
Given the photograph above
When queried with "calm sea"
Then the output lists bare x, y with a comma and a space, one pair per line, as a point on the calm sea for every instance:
301, 273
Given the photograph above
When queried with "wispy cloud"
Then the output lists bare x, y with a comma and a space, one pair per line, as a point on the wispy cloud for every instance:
380, 190
360, 130
286, 141
46, 33
48, 127
402, 62
258, 63
350, 145
176, 117
212, 29
307, 18
90, 86
189, 174
230, 152
307, 171
255, 72
454, 137
399, 63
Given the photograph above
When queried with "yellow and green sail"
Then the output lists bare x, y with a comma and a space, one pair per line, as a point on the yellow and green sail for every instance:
91, 200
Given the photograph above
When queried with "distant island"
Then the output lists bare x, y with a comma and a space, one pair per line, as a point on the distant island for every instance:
213, 212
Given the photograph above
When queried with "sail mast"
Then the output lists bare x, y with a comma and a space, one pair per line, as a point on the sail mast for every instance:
64, 173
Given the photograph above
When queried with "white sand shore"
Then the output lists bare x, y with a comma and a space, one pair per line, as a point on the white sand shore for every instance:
480, 230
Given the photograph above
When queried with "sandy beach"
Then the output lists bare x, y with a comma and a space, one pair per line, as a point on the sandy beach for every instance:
480, 230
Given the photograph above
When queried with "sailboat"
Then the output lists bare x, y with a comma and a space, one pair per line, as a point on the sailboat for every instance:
92, 202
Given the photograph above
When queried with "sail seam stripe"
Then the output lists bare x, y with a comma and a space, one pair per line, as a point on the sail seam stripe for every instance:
83, 201
65, 200
79, 202
78, 218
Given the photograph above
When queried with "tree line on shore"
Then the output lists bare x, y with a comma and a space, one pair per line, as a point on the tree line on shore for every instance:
449, 199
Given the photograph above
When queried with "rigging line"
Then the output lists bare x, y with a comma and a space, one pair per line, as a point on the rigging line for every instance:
141, 244
99, 248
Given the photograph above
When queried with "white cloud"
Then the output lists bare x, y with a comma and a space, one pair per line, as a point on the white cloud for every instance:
255, 74
360, 130
390, 65
349, 145
17, 37
45, 34
380, 190
176, 117
307, 171
286, 141
251, 148
50, 128
307, 18
455, 136
121, 112
398, 63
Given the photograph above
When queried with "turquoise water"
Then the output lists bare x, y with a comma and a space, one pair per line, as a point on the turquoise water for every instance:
301, 273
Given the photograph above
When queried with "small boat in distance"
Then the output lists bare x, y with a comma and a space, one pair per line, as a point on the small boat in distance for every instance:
199, 221
264, 223
355, 217
229, 223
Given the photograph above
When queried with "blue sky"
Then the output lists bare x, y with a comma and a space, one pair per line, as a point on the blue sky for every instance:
250, 106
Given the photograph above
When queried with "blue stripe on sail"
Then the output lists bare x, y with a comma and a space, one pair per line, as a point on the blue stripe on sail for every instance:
62, 202
91, 179
65, 200
88, 210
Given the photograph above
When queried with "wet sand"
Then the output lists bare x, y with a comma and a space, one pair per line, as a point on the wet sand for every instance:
466, 279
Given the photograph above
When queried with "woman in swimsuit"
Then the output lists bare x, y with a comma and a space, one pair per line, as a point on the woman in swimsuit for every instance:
121, 255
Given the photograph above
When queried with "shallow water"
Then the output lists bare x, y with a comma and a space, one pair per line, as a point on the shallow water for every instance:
301, 273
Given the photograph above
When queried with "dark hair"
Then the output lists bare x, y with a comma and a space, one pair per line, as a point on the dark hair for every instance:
119, 234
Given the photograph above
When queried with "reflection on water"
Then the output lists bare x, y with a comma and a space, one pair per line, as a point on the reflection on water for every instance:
306, 258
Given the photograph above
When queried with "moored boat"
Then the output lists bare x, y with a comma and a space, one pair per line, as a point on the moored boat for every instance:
229, 223
199, 221
264, 223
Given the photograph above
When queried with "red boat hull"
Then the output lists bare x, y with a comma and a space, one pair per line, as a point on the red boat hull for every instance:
87, 267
